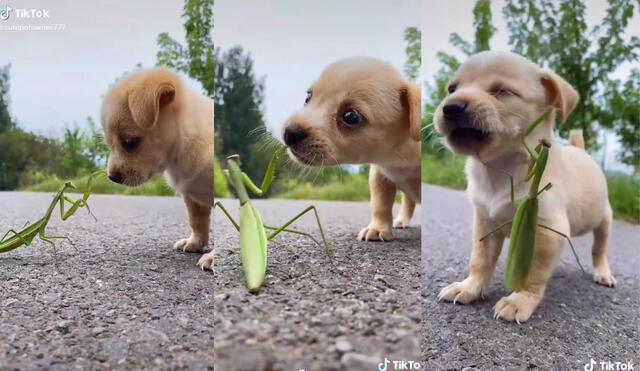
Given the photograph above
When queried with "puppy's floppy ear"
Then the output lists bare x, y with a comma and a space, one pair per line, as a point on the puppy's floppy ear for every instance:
145, 101
560, 94
411, 98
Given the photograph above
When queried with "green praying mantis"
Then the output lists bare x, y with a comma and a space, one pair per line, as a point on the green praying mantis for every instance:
14, 239
253, 231
522, 237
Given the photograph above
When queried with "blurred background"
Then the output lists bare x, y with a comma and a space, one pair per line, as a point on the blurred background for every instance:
593, 44
54, 72
267, 55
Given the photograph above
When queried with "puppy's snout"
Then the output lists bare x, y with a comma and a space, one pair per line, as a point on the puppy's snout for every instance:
455, 112
294, 134
116, 177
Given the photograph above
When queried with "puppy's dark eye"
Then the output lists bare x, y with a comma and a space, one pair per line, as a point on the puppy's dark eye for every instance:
130, 144
451, 88
501, 92
308, 98
351, 117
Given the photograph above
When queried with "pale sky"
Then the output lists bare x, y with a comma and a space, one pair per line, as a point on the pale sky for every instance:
441, 18
59, 77
292, 41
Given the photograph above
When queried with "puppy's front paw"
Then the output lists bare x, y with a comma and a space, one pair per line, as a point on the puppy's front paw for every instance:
190, 244
463, 292
603, 277
375, 232
516, 307
401, 222
206, 262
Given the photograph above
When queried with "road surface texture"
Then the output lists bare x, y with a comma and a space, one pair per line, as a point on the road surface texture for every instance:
577, 320
125, 300
308, 315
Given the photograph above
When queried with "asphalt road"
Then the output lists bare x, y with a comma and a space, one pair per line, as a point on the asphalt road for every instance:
577, 321
125, 300
309, 315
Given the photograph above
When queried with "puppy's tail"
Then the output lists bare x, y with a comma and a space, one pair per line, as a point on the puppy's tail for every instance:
576, 139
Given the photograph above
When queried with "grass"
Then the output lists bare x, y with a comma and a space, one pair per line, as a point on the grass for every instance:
349, 188
624, 190
446, 171
624, 196
156, 186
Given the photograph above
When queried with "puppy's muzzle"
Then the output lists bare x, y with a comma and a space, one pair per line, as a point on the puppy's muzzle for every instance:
464, 131
116, 177
294, 135
456, 115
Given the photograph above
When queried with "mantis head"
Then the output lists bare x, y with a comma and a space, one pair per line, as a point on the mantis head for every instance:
69, 185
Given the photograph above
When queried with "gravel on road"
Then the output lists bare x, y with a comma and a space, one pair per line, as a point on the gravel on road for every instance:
308, 315
576, 322
125, 300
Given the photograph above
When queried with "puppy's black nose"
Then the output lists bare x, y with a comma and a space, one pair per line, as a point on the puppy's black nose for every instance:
116, 177
294, 134
455, 111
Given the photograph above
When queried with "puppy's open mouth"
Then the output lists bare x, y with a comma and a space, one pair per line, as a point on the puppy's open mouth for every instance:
468, 138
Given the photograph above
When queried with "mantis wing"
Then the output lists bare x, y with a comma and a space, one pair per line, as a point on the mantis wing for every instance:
521, 245
253, 247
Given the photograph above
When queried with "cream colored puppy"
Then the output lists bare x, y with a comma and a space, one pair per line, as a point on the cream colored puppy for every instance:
154, 123
493, 98
362, 111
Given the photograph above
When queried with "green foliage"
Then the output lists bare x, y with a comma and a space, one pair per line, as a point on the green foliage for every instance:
156, 186
445, 170
23, 153
238, 101
555, 35
220, 186
622, 111
624, 196
196, 58
413, 37
74, 158
349, 188
6, 122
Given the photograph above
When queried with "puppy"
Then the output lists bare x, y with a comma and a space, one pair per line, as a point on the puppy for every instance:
492, 100
154, 123
362, 111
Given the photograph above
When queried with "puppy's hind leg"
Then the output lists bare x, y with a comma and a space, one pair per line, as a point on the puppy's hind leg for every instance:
199, 217
406, 212
602, 273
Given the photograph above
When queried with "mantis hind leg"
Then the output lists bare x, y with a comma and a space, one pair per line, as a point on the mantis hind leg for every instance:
495, 230
568, 240
283, 228
24, 240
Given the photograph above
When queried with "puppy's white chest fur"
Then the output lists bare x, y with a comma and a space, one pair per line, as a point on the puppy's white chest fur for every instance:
489, 187
406, 179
